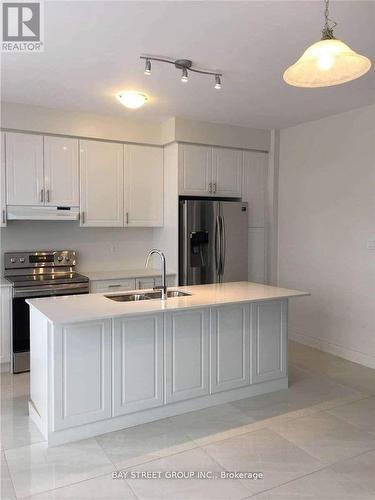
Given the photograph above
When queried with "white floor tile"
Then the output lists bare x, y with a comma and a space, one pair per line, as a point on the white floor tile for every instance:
6, 491
143, 443
37, 468
203, 489
325, 484
326, 437
103, 487
360, 413
263, 451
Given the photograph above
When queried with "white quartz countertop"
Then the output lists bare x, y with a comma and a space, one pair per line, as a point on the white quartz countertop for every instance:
78, 308
122, 274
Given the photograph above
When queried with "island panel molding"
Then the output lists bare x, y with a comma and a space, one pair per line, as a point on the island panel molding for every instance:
135, 366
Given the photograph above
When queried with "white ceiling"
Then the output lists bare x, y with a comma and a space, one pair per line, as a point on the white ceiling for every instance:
92, 51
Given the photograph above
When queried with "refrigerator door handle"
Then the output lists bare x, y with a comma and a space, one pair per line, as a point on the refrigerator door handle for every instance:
217, 245
223, 244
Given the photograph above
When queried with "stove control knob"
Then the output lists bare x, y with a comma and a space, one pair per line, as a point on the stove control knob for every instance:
67, 258
22, 260
60, 258
13, 260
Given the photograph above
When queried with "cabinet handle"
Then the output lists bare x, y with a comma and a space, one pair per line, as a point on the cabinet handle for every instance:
48, 197
114, 286
127, 217
83, 217
214, 187
42, 195
210, 187
4, 217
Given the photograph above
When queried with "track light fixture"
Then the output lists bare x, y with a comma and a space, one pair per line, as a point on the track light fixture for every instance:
147, 67
184, 77
183, 64
217, 82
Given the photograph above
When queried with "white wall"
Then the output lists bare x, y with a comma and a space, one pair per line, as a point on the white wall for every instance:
326, 217
91, 125
99, 248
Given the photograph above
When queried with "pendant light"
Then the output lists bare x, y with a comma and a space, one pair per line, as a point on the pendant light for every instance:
327, 62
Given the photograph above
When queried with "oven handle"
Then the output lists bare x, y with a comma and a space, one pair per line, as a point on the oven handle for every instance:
48, 290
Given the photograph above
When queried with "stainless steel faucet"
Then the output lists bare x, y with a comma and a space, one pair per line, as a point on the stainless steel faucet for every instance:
163, 286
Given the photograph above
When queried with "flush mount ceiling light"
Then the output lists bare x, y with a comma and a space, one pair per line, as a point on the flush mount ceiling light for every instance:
132, 99
185, 65
327, 62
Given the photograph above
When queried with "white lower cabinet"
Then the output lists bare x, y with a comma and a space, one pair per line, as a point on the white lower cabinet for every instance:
82, 373
230, 347
137, 363
269, 326
145, 283
187, 354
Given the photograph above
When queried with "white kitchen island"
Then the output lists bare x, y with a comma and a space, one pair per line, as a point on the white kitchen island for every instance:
98, 365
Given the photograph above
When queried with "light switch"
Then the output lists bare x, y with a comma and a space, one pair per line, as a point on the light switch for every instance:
371, 245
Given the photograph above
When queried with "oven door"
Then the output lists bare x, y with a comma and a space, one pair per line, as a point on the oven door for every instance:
21, 317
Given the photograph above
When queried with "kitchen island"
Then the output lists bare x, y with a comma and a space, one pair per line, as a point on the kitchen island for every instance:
99, 365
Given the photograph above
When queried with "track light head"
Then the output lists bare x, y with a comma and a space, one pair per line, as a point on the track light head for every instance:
147, 67
184, 77
217, 82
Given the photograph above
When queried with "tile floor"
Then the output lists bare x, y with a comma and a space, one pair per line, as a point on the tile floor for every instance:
314, 441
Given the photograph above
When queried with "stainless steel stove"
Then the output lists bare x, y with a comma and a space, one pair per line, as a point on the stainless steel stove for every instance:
38, 274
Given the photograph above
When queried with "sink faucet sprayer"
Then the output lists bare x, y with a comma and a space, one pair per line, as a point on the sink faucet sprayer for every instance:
163, 286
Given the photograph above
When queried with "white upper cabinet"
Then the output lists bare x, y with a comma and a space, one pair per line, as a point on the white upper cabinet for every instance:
254, 186
102, 184
61, 171
195, 170
143, 186
3, 218
226, 172
24, 169
206, 171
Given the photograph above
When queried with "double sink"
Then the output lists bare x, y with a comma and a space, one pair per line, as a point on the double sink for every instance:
135, 297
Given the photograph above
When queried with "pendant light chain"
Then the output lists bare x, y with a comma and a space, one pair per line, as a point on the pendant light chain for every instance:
327, 33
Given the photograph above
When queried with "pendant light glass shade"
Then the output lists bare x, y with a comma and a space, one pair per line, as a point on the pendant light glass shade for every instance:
325, 63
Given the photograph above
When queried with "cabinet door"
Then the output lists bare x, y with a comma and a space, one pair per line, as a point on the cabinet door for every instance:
194, 170
82, 385
187, 354
3, 218
269, 321
254, 186
137, 363
143, 186
102, 184
230, 347
61, 171
24, 169
5, 323
227, 172
256, 260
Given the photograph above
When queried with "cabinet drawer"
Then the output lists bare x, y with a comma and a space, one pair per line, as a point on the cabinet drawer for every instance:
112, 285
145, 283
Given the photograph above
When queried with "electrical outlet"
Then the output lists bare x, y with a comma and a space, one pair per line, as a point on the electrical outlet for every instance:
371, 245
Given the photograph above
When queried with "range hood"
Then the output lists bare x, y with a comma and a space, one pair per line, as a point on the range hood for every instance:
15, 212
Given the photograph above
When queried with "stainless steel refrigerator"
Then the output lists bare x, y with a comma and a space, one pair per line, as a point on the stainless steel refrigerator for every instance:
212, 241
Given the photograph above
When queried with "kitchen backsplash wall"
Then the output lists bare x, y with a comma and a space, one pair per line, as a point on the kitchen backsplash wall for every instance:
99, 248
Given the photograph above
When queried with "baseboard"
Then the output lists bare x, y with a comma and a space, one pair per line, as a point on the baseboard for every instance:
331, 348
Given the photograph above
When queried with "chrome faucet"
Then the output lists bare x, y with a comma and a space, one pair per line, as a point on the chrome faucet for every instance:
163, 286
